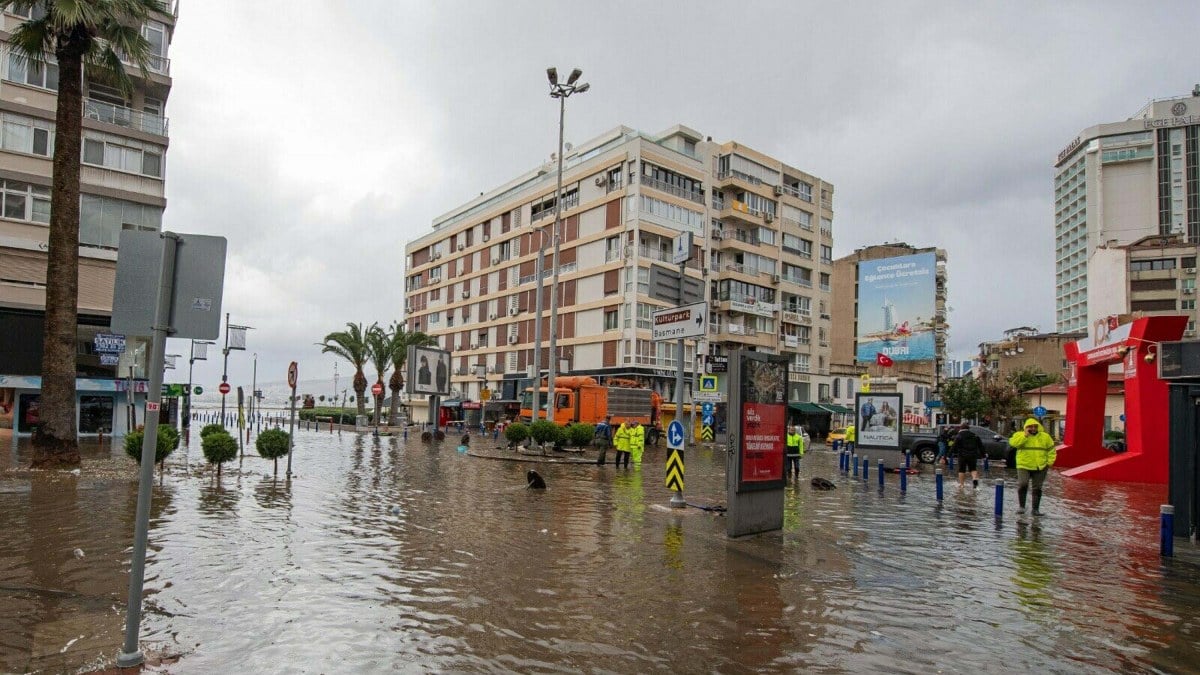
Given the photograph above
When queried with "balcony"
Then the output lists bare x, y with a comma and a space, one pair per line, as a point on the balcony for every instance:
743, 212
795, 316
124, 117
738, 175
792, 279
718, 203
663, 186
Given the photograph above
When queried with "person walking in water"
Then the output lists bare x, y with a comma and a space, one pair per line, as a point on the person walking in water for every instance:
637, 443
851, 437
621, 440
1035, 456
795, 450
968, 447
603, 438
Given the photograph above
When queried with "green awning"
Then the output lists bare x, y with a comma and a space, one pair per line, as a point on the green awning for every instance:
837, 409
808, 408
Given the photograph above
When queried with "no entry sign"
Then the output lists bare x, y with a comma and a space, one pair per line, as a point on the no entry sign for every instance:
224, 388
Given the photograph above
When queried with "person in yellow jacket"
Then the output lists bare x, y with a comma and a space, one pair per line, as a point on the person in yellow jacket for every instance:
621, 441
851, 437
1035, 456
637, 442
795, 450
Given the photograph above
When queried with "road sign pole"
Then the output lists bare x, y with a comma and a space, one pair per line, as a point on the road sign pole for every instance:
293, 377
131, 655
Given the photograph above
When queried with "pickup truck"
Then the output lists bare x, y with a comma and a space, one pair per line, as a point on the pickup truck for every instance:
923, 444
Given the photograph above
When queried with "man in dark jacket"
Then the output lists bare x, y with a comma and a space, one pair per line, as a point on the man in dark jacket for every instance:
969, 448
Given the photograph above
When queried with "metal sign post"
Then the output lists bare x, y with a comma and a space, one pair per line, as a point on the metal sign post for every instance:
293, 376
682, 247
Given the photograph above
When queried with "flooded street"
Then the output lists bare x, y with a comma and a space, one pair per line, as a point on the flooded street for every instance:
381, 555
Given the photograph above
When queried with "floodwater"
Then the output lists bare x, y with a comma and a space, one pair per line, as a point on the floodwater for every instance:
384, 555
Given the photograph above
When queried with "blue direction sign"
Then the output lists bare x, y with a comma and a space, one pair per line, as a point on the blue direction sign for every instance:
707, 420
707, 408
675, 436
1039, 411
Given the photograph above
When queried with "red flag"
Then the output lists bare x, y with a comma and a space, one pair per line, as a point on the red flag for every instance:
883, 360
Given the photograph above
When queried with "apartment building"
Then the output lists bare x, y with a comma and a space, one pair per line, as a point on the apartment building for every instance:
917, 380
762, 257
1026, 347
1155, 275
1115, 184
122, 184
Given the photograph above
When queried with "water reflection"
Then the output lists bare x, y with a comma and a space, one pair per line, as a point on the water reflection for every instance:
407, 555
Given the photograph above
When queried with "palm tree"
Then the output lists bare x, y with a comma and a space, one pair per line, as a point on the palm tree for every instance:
351, 344
379, 347
402, 339
95, 34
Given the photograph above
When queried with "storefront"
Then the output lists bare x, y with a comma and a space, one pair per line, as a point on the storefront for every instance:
102, 406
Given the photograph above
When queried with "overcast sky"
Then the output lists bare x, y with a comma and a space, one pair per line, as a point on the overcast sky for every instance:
319, 137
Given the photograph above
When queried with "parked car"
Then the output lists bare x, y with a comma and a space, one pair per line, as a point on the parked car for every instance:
838, 434
923, 444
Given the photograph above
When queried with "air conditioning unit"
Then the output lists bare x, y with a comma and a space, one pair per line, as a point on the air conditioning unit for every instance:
716, 234
1189, 333
775, 278
601, 181
492, 316
496, 261
474, 345
512, 339
486, 238
778, 189
1190, 270
466, 294
491, 370
408, 309
1189, 291
512, 311
436, 255
768, 217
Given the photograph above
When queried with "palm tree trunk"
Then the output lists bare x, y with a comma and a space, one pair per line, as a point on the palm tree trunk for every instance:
55, 442
360, 389
395, 383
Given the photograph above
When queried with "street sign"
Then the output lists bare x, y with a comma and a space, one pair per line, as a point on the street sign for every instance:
713, 396
1039, 411
708, 383
198, 390
151, 406
706, 420
680, 322
706, 432
717, 364
707, 409
682, 248
199, 280
377, 389
675, 435
108, 343
293, 373
933, 404
110, 359
224, 388
674, 478
485, 394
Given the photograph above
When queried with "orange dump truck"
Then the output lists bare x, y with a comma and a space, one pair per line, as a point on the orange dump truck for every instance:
582, 399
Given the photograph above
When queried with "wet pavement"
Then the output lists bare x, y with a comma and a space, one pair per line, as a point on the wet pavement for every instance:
386, 555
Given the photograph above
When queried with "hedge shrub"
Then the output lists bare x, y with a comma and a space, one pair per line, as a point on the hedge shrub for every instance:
219, 448
580, 435
166, 443
212, 429
545, 431
516, 433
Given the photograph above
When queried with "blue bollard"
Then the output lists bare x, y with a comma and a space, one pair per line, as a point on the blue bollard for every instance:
986, 465
999, 498
854, 463
406, 432
907, 459
1166, 530
938, 481
950, 461
866, 467
841, 461
881, 473
844, 461
904, 480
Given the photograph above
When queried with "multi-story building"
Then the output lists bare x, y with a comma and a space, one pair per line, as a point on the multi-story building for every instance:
122, 186
762, 257
1117, 183
1026, 348
1155, 275
917, 380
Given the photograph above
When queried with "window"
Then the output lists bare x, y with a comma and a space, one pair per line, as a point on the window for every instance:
610, 319
691, 220
826, 225
766, 236
42, 74
1187, 304
28, 135
837, 387
23, 201
824, 281
612, 249
1148, 265
1189, 261
799, 216
35, 11
826, 254
436, 317
113, 152
805, 190
797, 245
644, 312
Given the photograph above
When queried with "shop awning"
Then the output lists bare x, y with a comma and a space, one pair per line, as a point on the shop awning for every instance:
837, 409
808, 408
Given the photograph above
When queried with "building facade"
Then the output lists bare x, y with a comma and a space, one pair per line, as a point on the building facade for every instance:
1117, 183
1026, 348
762, 258
916, 380
122, 187
1155, 275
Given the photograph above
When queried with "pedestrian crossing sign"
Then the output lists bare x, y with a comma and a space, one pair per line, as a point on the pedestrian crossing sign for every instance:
708, 383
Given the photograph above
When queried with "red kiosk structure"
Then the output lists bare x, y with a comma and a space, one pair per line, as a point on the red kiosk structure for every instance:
1135, 345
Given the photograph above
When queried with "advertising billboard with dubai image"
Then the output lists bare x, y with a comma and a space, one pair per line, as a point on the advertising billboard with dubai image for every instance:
896, 307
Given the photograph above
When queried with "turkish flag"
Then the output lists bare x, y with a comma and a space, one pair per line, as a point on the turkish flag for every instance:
883, 360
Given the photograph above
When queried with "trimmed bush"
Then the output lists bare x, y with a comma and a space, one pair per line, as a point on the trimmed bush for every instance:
580, 435
273, 444
516, 433
545, 431
1114, 435
212, 429
219, 448
166, 443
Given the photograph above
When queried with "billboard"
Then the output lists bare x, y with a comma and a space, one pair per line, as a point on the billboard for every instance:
896, 306
764, 404
428, 371
877, 420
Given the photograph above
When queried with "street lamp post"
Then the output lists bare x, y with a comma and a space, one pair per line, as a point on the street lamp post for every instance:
239, 344
560, 91
200, 354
